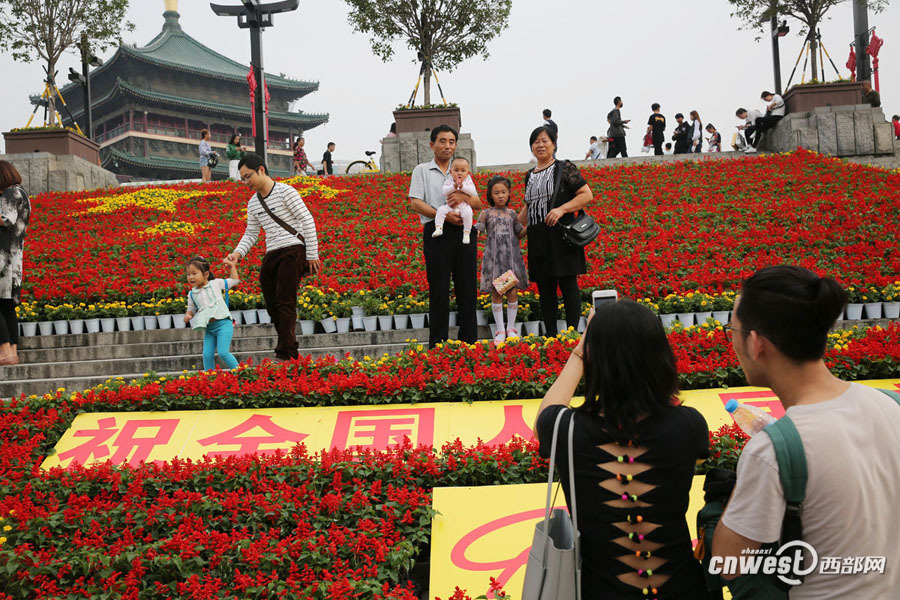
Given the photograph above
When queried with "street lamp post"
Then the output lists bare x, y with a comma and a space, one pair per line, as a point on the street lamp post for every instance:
861, 38
255, 16
84, 78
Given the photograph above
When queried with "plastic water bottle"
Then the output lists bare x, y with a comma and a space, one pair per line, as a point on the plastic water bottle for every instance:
751, 419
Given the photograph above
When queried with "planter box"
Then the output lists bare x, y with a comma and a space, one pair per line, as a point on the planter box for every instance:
420, 119
804, 98
59, 142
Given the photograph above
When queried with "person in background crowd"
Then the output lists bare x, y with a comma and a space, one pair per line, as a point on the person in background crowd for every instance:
289, 256
616, 130
594, 152
393, 131
668, 149
656, 125
749, 127
550, 122
715, 138
870, 96
327, 162
696, 133
301, 162
446, 256
552, 263
206, 152
681, 135
635, 447
235, 152
15, 213
779, 332
775, 109
896, 121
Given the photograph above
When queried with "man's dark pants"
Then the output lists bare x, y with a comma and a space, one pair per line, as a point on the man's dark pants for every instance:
617, 147
279, 278
447, 256
658, 145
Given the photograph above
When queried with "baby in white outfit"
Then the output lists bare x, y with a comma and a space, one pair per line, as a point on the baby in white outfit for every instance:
460, 179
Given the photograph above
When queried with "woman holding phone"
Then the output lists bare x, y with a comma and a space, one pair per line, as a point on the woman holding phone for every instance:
552, 189
635, 447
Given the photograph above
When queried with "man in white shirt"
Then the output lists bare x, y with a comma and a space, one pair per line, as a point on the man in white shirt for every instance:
594, 152
292, 248
749, 127
775, 109
849, 432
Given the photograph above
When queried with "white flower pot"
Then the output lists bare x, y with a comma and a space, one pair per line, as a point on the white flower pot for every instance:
687, 319
29, 329
385, 322
76, 326
150, 322
667, 319
453, 318
237, 317
108, 324
891, 310
263, 317
61, 327
343, 324
481, 317
92, 325
164, 321
854, 312
328, 325
249, 316
532, 327
722, 316
417, 321
703, 316
401, 321
307, 327
582, 325
357, 311
124, 323
46, 327
561, 325
370, 323
873, 310
178, 322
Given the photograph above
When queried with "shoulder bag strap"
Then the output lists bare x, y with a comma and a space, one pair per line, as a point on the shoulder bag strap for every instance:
557, 183
793, 474
892, 394
574, 509
550, 474
280, 222
227, 303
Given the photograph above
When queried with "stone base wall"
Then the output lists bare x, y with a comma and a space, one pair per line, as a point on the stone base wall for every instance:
844, 131
406, 150
44, 172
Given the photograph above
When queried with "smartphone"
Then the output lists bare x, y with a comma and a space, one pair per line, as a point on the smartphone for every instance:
601, 297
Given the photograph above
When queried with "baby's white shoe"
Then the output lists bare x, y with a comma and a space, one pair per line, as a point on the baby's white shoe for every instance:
466, 236
438, 232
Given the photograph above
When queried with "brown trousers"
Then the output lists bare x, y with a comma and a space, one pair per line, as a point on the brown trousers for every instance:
279, 278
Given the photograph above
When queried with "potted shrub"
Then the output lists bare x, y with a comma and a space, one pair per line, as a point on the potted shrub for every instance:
872, 301
28, 315
890, 296
854, 303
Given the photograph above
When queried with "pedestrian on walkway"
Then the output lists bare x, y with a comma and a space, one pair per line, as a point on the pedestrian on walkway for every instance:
327, 161
681, 135
207, 310
292, 248
749, 127
656, 127
594, 151
616, 130
870, 96
896, 121
234, 152
301, 162
15, 214
715, 138
550, 122
446, 256
696, 133
206, 155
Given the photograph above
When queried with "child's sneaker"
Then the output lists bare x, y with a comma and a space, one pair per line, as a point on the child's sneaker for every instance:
438, 231
512, 333
500, 337
750, 150
466, 237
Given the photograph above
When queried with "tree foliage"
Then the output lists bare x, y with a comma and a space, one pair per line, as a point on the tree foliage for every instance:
446, 32
756, 14
44, 29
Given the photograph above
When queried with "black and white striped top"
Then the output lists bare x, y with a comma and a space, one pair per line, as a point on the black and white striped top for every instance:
538, 193
287, 204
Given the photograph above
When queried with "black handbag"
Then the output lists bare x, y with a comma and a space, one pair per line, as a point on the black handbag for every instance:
212, 160
577, 229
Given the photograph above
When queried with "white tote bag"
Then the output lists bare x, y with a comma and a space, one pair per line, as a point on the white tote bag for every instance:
554, 561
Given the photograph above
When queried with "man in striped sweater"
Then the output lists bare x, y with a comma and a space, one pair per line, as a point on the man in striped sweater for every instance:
292, 248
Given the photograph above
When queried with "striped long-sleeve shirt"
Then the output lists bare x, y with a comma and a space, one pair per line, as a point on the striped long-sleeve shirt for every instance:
287, 204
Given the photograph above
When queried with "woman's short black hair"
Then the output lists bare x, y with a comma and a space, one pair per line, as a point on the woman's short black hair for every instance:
542, 129
496, 179
629, 366
793, 308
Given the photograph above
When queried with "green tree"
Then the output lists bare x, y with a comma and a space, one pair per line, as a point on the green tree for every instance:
44, 29
756, 15
446, 32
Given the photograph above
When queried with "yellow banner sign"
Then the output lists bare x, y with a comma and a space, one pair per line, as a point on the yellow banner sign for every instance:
135, 437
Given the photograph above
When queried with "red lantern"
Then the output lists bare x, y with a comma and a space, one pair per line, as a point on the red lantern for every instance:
851, 63
875, 44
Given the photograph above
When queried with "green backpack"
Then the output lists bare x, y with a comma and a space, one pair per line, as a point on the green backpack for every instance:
793, 474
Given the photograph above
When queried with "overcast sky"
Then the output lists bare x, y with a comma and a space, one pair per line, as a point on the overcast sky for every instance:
572, 56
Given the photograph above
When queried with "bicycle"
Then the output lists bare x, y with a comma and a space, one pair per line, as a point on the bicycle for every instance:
363, 166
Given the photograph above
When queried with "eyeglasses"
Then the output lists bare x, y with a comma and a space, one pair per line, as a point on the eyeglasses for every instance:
729, 331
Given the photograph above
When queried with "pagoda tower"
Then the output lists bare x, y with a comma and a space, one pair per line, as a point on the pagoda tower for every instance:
150, 103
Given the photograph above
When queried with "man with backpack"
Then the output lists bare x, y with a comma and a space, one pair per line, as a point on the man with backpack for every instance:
837, 439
